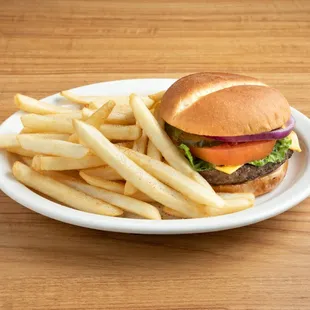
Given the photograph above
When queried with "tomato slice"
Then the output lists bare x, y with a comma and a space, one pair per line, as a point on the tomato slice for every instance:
234, 154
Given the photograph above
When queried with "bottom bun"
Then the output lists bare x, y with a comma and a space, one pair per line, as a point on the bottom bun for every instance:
259, 186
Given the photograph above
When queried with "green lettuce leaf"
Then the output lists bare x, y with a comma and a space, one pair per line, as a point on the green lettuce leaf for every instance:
196, 163
277, 155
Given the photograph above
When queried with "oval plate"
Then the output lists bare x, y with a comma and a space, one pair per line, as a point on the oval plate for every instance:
290, 192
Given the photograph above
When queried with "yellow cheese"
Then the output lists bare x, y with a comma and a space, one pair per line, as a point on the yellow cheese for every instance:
295, 143
228, 169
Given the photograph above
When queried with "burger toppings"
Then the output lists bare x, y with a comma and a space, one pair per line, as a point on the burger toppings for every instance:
276, 155
206, 153
269, 135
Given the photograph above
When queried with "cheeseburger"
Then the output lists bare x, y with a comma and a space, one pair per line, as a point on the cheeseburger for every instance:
233, 129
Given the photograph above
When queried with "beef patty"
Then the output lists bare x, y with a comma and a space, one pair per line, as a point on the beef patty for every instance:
245, 173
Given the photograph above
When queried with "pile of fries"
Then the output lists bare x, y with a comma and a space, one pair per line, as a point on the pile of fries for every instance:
112, 157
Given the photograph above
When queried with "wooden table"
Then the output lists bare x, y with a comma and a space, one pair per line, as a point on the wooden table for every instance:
48, 46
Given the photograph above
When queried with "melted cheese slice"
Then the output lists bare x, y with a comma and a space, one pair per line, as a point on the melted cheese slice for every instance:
295, 143
294, 147
228, 169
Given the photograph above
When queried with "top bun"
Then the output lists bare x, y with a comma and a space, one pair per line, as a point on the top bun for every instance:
223, 104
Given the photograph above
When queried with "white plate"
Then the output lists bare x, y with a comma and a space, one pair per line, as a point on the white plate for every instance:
290, 192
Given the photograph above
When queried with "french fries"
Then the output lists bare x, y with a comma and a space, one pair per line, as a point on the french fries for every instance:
97, 118
62, 192
32, 105
47, 123
121, 132
128, 204
114, 186
52, 163
161, 140
133, 173
175, 179
52, 147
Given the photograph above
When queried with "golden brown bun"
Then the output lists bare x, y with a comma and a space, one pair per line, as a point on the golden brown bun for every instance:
223, 104
259, 186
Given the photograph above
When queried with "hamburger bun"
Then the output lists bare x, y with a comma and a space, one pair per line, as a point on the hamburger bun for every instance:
223, 104
259, 186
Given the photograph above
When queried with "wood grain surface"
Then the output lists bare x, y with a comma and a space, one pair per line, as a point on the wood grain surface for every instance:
47, 46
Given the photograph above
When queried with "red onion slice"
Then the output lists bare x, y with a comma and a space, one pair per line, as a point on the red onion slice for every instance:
269, 135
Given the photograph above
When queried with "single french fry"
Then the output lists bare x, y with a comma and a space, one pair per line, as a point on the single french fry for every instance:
21, 151
139, 146
152, 151
133, 173
161, 140
233, 203
175, 179
32, 105
114, 186
121, 132
128, 204
97, 118
47, 123
74, 98
8, 140
62, 192
157, 96
55, 136
63, 163
106, 172
52, 147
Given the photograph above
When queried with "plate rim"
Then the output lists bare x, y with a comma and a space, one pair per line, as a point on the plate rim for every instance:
68, 215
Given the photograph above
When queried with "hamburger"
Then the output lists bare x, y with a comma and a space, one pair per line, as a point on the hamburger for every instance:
235, 130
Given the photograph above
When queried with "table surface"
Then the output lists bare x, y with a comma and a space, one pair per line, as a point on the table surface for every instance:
48, 46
